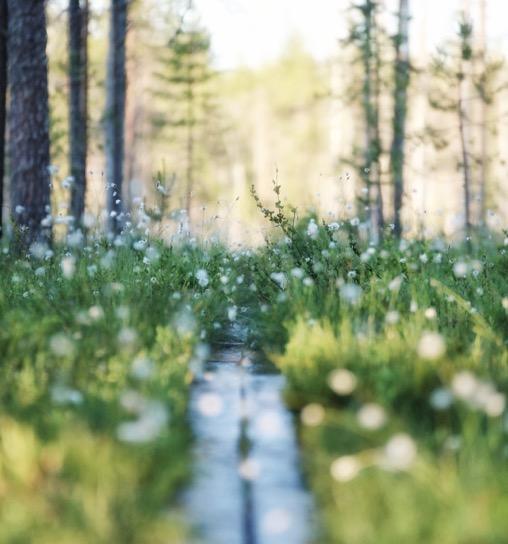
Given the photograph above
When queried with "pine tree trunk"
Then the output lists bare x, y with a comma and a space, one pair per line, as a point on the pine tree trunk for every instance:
29, 120
367, 112
371, 168
115, 115
484, 114
466, 166
78, 106
189, 148
400, 111
3, 102
379, 216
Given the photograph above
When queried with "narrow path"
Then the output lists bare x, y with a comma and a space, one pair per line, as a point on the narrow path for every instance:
247, 487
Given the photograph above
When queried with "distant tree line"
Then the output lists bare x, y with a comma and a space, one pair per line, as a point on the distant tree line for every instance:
461, 72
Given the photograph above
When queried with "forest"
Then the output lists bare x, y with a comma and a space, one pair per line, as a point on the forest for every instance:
251, 272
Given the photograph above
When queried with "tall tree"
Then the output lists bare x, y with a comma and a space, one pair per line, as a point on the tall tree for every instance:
78, 104
463, 77
365, 36
454, 83
484, 159
29, 120
185, 73
116, 87
3, 101
402, 75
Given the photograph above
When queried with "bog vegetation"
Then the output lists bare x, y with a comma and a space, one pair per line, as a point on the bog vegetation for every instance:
393, 347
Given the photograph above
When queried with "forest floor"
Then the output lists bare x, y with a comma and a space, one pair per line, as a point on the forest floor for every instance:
393, 375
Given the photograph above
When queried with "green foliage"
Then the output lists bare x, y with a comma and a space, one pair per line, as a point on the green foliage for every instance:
96, 345
378, 346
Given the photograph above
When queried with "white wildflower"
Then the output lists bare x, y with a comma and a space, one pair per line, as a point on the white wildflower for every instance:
342, 381
61, 394
399, 452
371, 416
392, 317
345, 468
312, 229
351, 293
312, 415
202, 277
464, 385
61, 345
460, 269
430, 313
232, 312
279, 278
431, 346
68, 266
297, 273
395, 284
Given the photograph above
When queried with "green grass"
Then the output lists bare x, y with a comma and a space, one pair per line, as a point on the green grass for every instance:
395, 358
94, 440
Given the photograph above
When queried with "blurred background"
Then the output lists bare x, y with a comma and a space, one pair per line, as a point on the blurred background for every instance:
226, 94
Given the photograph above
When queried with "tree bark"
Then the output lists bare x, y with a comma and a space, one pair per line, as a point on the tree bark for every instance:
402, 76
116, 87
78, 105
379, 211
29, 120
371, 167
3, 102
484, 152
466, 166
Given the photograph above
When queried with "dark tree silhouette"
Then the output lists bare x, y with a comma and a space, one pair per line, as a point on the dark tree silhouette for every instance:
78, 104
402, 74
115, 114
3, 101
29, 120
